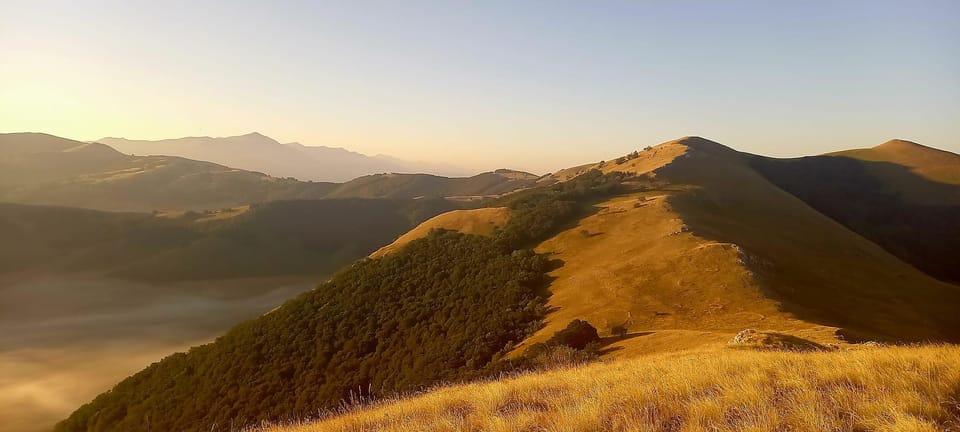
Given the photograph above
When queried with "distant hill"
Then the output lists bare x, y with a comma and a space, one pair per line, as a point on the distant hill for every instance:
682, 245
308, 237
933, 164
48, 170
256, 152
420, 185
44, 169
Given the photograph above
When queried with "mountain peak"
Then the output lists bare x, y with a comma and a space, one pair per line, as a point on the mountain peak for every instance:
900, 144
702, 144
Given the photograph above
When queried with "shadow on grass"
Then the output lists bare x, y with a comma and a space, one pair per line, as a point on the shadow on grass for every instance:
606, 341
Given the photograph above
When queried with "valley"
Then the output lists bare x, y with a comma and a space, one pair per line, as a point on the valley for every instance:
66, 337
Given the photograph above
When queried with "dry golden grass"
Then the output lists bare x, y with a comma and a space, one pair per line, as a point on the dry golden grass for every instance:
720, 249
480, 221
706, 256
858, 389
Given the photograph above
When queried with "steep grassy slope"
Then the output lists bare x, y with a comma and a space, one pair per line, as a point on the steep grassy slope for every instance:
877, 389
903, 196
277, 238
43, 169
426, 185
817, 269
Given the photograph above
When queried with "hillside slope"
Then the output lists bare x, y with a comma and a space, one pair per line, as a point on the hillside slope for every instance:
933, 164
879, 389
47, 170
709, 246
901, 195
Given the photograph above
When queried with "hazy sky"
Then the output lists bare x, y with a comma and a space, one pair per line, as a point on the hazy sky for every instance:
535, 85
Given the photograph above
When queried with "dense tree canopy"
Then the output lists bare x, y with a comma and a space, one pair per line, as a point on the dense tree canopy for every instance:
440, 309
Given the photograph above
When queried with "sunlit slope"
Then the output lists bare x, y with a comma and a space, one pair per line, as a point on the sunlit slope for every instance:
878, 389
717, 249
818, 269
714, 248
482, 221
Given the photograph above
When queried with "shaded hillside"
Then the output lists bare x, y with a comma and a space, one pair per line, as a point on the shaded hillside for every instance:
426, 185
277, 238
256, 152
43, 169
894, 205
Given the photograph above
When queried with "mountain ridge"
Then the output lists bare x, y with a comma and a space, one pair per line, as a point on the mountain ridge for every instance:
257, 152
48, 170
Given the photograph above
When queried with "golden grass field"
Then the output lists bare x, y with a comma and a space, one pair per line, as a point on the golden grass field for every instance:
853, 389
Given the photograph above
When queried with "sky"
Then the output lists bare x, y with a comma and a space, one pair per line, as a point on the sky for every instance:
534, 85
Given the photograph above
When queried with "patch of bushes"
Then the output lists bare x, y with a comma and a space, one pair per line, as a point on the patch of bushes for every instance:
540, 212
578, 343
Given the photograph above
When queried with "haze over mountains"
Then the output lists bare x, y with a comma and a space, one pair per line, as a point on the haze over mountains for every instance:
683, 245
48, 170
256, 152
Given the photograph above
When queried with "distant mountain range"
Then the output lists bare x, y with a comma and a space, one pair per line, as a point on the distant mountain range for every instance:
256, 152
44, 169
